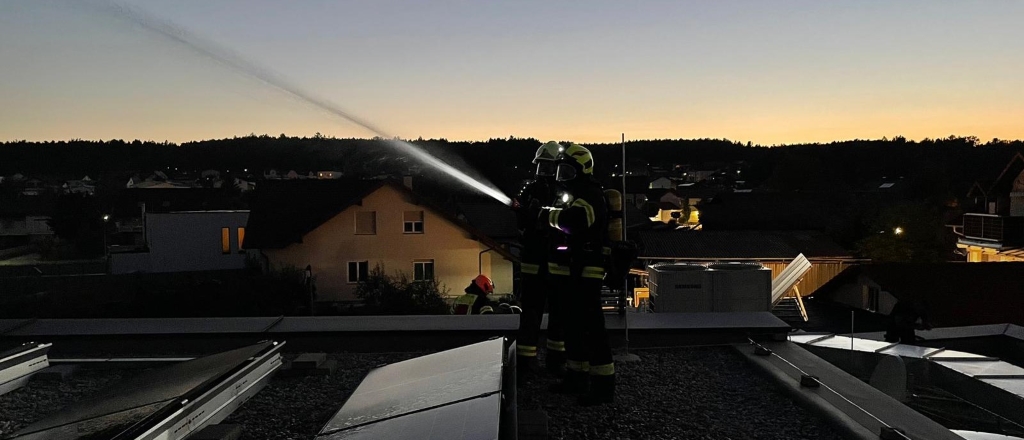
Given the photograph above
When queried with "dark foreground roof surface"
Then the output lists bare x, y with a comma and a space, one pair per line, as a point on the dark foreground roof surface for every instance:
706, 393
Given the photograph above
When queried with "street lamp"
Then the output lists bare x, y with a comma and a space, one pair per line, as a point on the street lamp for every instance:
106, 252
898, 230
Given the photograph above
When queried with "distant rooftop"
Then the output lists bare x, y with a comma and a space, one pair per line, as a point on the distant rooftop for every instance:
722, 245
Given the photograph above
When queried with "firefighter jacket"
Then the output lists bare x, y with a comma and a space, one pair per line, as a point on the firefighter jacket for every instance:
535, 238
581, 214
472, 304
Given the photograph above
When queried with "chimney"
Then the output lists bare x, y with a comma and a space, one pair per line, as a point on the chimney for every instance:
407, 181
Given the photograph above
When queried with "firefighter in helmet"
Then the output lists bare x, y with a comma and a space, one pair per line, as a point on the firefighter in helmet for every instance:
580, 213
475, 301
539, 288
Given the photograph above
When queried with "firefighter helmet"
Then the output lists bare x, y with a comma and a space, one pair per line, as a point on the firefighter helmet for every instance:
549, 151
573, 162
484, 284
545, 159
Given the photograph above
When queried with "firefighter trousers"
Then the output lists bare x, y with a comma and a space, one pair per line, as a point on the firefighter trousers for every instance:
540, 290
586, 339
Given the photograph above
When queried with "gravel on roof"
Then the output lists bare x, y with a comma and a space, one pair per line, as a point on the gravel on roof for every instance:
691, 393
701, 393
37, 398
288, 408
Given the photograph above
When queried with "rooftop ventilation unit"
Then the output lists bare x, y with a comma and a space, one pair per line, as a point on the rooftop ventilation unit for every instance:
165, 404
741, 287
18, 364
717, 287
680, 287
465, 393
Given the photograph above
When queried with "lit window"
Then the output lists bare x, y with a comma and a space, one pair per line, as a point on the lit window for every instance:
225, 240
358, 271
423, 270
241, 239
366, 223
413, 222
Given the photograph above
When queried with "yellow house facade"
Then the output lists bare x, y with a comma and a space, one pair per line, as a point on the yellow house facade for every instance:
391, 227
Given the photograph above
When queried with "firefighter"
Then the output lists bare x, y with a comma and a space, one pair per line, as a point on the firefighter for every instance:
475, 301
581, 214
538, 286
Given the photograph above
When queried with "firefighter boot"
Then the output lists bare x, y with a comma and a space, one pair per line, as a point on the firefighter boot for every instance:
555, 363
574, 382
602, 391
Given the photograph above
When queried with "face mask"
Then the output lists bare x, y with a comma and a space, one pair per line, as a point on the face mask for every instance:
545, 168
565, 172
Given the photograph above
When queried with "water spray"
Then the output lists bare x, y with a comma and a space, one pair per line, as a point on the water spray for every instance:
222, 55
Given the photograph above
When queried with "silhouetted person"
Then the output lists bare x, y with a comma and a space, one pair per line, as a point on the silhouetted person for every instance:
906, 316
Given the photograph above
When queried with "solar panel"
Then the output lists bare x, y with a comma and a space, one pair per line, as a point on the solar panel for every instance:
131, 401
435, 394
471, 419
19, 363
983, 368
789, 276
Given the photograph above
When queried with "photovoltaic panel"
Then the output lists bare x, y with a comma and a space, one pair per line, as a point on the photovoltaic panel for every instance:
475, 419
425, 393
132, 400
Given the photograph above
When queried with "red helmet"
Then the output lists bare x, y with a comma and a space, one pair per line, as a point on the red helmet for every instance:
484, 284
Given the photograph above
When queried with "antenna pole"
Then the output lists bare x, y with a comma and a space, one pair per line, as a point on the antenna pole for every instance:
625, 282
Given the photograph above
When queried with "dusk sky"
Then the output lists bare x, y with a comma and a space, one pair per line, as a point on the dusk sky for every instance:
770, 72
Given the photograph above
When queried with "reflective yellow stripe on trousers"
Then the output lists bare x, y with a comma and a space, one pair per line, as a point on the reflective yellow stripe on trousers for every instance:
602, 370
577, 366
526, 350
554, 345
555, 269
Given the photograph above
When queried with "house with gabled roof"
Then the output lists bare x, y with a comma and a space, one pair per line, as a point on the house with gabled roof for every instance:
993, 229
342, 228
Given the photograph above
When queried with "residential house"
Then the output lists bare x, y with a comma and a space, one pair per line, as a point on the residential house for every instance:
661, 183
129, 215
343, 228
34, 187
83, 186
23, 229
186, 241
668, 207
157, 180
694, 175
993, 227
952, 294
773, 249
24, 220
